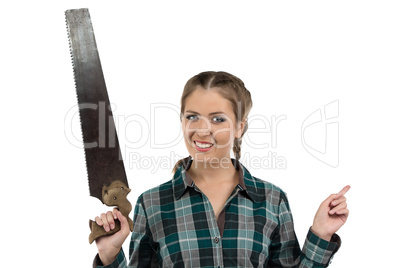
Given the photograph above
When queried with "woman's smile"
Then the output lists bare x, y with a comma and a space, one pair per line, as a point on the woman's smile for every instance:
203, 146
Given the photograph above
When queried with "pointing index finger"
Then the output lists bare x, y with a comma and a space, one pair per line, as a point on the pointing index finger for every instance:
344, 190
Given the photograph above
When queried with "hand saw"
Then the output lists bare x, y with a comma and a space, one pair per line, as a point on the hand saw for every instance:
106, 173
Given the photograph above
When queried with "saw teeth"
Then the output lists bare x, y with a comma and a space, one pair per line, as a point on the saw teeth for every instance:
75, 81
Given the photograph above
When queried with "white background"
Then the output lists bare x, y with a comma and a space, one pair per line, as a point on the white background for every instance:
294, 57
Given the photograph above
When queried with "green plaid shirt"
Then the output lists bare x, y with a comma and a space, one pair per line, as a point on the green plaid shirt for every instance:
175, 226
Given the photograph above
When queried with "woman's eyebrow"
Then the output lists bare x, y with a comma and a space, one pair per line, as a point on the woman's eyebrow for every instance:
189, 111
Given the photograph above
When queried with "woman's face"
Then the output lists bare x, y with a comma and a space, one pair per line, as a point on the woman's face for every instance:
209, 126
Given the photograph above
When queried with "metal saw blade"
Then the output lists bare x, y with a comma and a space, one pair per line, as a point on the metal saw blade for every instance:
102, 151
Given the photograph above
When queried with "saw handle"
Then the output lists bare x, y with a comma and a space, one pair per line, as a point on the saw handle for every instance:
115, 194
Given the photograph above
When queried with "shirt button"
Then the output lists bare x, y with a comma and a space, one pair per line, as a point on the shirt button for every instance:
216, 239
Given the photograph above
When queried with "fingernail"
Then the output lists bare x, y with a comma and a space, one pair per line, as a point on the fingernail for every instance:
112, 226
107, 229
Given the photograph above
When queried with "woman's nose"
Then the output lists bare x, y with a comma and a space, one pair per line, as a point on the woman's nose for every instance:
203, 126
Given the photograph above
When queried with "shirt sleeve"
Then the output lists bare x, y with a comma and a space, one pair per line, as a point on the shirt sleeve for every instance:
285, 250
142, 246
119, 262
141, 251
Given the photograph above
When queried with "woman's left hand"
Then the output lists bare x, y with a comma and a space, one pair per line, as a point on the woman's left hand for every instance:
331, 215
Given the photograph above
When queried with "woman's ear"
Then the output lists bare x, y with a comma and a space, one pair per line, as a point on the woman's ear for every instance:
240, 128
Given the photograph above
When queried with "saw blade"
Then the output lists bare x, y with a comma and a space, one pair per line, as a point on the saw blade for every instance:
102, 151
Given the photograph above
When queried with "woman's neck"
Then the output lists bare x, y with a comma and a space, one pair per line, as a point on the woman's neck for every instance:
213, 172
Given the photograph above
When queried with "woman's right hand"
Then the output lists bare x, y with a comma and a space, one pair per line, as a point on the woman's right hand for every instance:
109, 246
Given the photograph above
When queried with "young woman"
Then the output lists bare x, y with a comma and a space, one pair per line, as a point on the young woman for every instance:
213, 212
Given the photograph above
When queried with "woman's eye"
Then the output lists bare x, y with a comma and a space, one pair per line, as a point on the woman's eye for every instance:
191, 117
218, 119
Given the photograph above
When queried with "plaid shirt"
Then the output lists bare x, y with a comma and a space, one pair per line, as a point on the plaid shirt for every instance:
175, 226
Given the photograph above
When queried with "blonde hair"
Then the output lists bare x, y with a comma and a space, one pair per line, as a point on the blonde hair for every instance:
228, 86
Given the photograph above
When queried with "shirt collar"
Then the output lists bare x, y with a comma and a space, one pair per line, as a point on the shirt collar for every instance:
182, 180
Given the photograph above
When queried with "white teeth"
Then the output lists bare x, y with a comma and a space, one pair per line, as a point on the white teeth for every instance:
203, 145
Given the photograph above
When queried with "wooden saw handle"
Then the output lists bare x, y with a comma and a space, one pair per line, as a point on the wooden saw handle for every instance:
115, 194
